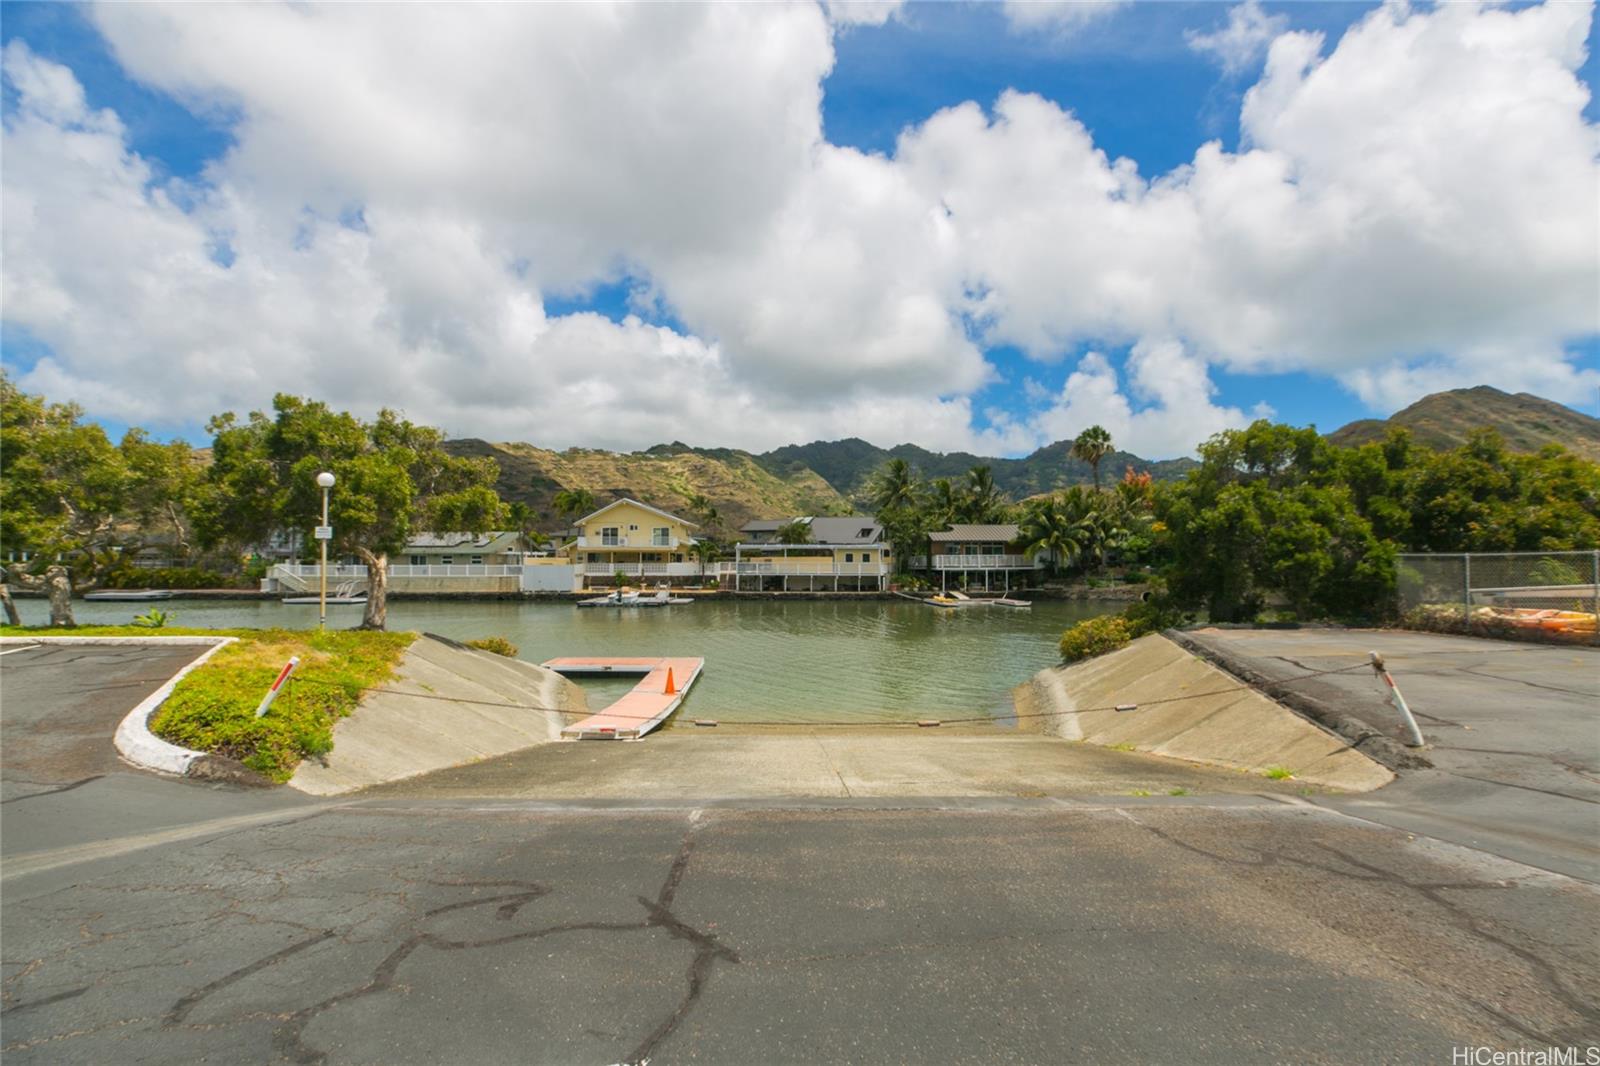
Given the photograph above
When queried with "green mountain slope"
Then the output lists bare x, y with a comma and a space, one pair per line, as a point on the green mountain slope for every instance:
1445, 419
665, 476
848, 465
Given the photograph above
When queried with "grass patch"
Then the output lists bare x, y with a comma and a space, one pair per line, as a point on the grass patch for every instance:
497, 645
213, 709
1177, 792
1140, 792
1279, 773
1122, 747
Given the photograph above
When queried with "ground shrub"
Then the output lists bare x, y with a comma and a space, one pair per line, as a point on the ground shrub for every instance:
1095, 636
169, 577
213, 709
497, 645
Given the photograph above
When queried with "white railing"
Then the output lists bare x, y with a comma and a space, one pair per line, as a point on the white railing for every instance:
637, 540
604, 569
296, 570
982, 562
803, 568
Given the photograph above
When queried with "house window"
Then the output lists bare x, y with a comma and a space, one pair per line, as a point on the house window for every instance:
849, 557
866, 557
660, 536
447, 559
633, 529
610, 535
419, 560
594, 557
477, 560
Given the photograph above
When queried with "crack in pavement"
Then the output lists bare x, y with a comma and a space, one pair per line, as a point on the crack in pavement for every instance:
52, 791
1545, 973
288, 1039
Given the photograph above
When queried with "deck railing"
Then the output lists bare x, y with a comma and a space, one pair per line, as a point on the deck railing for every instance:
982, 562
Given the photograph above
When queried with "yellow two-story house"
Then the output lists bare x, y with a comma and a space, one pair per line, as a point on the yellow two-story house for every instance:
634, 540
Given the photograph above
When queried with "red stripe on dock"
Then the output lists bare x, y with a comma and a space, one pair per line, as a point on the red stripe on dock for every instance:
642, 709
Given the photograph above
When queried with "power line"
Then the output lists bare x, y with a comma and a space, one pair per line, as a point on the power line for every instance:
858, 722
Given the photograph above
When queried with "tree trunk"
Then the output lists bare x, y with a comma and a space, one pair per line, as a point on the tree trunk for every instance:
376, 612
58, 584
12, 617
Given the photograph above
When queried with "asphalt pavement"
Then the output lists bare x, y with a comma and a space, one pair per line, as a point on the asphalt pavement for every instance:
499, 918
1512, 730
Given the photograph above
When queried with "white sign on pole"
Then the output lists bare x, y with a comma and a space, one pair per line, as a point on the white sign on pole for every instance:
324, 533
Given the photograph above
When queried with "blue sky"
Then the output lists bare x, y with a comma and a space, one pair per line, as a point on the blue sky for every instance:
1130, 78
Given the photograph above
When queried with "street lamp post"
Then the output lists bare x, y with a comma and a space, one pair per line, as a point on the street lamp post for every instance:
324, 534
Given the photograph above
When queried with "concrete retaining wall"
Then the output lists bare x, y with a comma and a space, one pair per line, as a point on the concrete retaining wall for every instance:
1225, 723
448, 705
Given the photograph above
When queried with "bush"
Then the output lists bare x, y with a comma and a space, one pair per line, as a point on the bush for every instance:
168, 577
1096, 636
155, 618
497, 645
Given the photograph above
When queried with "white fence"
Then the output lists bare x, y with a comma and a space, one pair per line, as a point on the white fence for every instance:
311, 572
803, 567
602, 569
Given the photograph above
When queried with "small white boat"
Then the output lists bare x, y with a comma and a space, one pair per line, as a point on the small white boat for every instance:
129, 595
342, 596
1006, 601
630, 598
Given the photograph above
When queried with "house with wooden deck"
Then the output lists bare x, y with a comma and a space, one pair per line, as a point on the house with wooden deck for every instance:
985, 556
843, 554
632, 542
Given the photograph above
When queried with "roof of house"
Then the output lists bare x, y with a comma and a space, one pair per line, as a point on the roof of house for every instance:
1003, 534
764, 525
455, 539
854, 529
636, 503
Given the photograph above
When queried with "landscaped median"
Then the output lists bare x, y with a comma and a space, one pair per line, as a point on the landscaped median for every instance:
212, 709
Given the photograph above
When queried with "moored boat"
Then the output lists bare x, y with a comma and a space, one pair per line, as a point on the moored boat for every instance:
128, 595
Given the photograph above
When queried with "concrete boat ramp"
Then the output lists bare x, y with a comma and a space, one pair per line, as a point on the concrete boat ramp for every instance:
659, 692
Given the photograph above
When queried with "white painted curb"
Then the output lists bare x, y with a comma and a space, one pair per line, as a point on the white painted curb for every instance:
135, 742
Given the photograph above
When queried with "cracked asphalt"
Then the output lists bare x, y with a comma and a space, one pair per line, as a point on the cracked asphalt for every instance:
440, 926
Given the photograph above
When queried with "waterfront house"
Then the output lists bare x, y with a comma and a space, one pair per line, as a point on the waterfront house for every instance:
633, 540
499, 548
843, 553
992, 555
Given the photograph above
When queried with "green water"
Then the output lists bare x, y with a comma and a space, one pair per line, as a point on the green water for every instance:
765, 660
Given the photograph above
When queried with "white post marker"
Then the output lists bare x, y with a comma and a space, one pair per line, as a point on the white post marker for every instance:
277, 686
1413, 733
324, 533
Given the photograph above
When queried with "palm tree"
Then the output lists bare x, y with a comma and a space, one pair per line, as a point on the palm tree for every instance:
1049, 526
706, 550
1093, 445
796, 532
894, 486
984, 500
521, 516
573, 503
944, 504
704, 510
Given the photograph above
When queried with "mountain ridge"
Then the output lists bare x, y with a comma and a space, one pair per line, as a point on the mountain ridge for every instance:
1444, 420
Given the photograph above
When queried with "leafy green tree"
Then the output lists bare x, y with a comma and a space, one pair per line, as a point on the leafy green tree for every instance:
521, 518
394, 478
1050, 526
76, 504
1092, 446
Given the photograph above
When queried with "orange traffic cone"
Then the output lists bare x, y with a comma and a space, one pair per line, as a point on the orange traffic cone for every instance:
672, 690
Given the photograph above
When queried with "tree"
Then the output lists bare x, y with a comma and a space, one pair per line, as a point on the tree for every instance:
76, 504
796, 532
1092, 446
895, 485
1049, 526
704, 511
573, 503
520, 515
394, 478
983, 502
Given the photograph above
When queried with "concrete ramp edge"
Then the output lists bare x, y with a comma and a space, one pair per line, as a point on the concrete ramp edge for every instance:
1220, 722
448, 705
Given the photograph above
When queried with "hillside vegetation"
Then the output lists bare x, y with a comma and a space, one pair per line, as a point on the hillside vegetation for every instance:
1445, 420
740, 487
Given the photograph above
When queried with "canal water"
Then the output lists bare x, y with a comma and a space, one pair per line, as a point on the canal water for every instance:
765, 660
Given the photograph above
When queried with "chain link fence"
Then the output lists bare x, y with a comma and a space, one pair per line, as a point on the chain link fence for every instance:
1546, 596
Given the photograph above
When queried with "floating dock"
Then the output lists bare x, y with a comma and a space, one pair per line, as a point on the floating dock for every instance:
641, 710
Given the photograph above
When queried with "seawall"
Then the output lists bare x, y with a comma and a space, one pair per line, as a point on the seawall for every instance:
1188, 709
